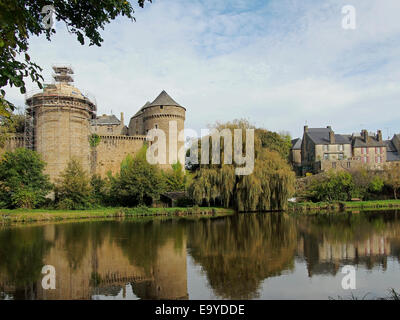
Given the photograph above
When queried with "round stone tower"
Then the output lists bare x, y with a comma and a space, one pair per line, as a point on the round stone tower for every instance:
57, 124
166, 114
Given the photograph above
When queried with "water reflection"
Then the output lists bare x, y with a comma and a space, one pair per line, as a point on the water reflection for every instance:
148, 259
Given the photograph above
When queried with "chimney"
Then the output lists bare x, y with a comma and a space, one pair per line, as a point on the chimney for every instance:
364, 135
122, 118
331, 137
379, 136
305, 128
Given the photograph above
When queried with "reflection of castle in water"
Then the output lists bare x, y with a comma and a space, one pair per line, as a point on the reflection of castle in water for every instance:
104, 267
236, 254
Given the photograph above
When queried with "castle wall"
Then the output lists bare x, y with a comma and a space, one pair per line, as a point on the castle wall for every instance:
12, 142
111, 151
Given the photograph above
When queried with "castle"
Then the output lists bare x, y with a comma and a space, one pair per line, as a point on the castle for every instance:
61, 124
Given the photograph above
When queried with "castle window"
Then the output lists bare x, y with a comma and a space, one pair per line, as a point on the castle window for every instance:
156, 126
161, 107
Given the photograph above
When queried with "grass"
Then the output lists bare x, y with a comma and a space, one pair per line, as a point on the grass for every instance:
392, 295
344, 205
34, 215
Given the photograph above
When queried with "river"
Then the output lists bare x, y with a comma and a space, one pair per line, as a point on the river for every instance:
244, 256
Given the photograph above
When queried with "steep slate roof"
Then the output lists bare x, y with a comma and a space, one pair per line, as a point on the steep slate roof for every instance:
141, 109
296, 144
391, 152
321, 136
164, 99
358, 142
106, 120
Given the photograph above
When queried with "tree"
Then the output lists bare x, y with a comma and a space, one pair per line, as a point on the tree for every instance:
22, 182
273, 141
267, 188
392, 178
175, 179
331, 186
21, 19
138, 183
99, 189
73, 190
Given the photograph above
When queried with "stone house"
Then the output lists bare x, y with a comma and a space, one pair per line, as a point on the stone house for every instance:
322, 149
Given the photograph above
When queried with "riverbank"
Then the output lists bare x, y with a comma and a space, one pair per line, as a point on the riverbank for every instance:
344, 205
36, 215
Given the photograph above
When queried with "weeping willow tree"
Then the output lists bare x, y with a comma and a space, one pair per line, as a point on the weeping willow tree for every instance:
268, 187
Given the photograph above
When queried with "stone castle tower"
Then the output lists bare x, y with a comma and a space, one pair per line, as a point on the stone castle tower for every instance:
60, 121
57, 124
164, 114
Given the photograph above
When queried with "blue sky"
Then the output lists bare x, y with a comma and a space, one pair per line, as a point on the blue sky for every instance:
278, 63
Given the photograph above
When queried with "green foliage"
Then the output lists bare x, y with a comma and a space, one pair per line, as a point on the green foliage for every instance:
377, 183
280, 143
392, 178
341, 185
175, 179
21, 19
73, 190
22, 182
332, 186
94, 140
138, 183
99, 189
267, 188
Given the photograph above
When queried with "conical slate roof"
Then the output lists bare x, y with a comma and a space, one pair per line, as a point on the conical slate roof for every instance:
141, 109
164, 99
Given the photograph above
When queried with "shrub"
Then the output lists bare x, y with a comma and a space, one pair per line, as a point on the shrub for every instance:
22, 181
73, 190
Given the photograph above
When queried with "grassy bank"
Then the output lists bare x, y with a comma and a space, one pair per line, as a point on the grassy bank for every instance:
344, 205
22, 215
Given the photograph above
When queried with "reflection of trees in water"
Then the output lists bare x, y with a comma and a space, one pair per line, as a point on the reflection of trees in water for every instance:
238, 252
140, 241
22, 251
77, 238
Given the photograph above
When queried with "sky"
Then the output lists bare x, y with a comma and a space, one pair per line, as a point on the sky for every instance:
280, 64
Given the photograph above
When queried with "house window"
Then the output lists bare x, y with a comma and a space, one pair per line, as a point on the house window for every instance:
341, 147
326, 156
378, 160
325, 147
109, 129
364, 150
161, 107
379, 150
340, 157
334, 165
348, 164
364, 159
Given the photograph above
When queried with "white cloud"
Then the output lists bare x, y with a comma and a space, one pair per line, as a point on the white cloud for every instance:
278, 64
